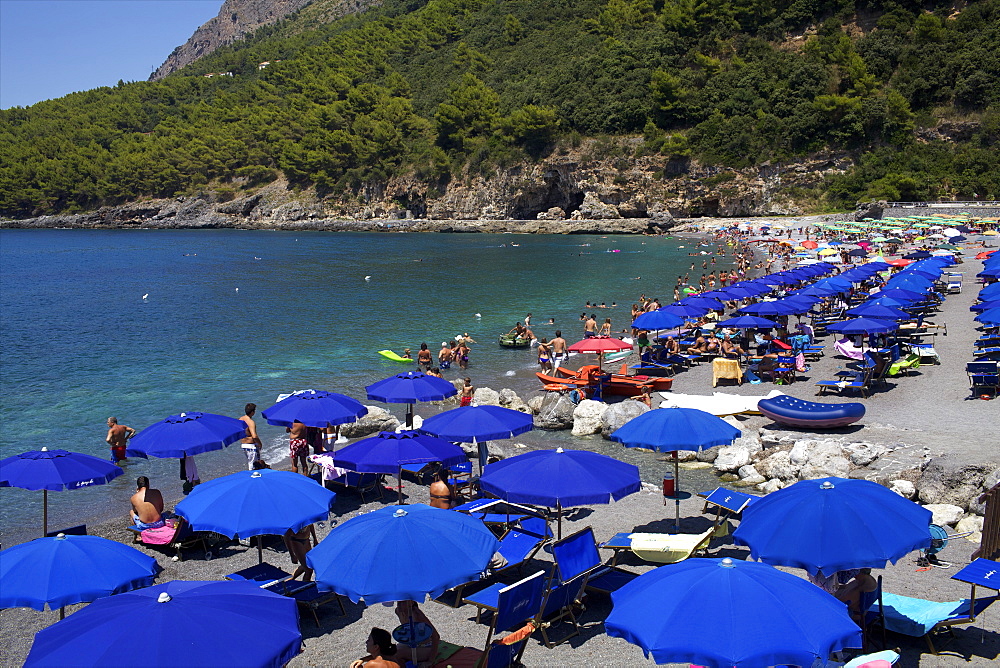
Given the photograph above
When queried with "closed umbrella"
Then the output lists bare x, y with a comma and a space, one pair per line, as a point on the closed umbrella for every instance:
402, 553
833, 524
409, 388
560, 479
477, 425
186, 435
759, 616
387, 451
183, 623
252, 503
315, 409
55, 470
673, 429
63, 570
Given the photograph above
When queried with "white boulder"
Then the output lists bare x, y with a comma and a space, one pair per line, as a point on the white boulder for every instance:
587, 417
945, 514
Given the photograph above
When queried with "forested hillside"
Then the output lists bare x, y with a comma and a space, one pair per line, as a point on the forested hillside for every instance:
447, 88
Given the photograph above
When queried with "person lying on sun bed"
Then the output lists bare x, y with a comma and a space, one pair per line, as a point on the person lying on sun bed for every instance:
382, 652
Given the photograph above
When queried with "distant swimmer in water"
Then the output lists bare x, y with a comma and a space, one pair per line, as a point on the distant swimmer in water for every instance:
368, 278
190, 255
145, 296
255, 257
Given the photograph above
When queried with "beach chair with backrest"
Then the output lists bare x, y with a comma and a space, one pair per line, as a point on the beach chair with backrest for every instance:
660, 548
856, 380
917, 617
983, 377
517, 547
362, 483
576, 558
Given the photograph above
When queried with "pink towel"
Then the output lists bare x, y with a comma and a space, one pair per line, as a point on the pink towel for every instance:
159, 536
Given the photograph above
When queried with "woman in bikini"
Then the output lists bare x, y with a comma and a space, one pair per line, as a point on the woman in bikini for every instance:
298, 545
545, 354
605, 328
442, 494
424, 357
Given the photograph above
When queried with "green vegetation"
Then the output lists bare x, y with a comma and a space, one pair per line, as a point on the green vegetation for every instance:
441, 88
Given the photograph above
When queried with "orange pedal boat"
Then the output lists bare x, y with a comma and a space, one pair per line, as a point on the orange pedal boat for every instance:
611, 383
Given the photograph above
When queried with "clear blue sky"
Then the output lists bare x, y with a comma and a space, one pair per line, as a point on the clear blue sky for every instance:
49, 48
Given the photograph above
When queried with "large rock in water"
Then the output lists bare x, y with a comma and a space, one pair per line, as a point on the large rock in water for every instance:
618, 414
556, 413
732, 458
509, 399
587, 417
485, 396
377, 419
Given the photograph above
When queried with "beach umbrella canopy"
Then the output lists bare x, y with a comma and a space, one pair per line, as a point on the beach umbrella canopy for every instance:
402, 553
833, 524
878, 311
768, 308
900, 293
478, 424
748, 322
798, 304
863, 326
251, 503
315, 409
63, 570
560, 478
990, 317
989, 292
754, 288
857, 252
55, 470
685, 310
890, 301
760, 616
409, 388
739, 293
810, 244
673, 429
658, 319
600, 344
388, 450
706, 302
986, 306
186, 434
184, 623
917, 255
991, 272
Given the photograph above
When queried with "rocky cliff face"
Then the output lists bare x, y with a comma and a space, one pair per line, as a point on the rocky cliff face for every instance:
573, 190
238, 18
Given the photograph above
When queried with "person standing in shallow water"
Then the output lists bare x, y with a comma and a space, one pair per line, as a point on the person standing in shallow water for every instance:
250, 444
424, 359
117, 438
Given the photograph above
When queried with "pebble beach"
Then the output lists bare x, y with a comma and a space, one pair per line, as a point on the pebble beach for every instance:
924, 417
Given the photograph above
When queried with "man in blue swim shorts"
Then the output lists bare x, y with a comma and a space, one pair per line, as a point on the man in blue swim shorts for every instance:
147, 506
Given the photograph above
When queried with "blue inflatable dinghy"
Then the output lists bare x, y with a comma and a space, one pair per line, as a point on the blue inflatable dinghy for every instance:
800, 413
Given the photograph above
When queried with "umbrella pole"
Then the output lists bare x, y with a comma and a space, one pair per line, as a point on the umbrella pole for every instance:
409, 416
483, 454
677, 495
260, 550
399, 483
45, 511
559, 520
62, 613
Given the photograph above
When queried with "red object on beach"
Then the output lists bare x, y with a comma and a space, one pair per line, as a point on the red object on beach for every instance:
600, 344
810, 244
984, 254
900, 262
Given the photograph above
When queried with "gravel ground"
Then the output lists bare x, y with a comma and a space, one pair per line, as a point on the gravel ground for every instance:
932, 409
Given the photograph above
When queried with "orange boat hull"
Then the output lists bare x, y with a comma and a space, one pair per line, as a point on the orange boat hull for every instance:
618, 385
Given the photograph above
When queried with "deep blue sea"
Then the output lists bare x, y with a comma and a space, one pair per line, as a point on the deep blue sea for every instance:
142, 324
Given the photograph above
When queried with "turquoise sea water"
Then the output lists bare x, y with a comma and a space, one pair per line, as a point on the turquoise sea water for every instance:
236, 316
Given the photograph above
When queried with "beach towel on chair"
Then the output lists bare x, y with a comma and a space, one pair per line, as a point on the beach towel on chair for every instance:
159, 536
916, 616
664, 548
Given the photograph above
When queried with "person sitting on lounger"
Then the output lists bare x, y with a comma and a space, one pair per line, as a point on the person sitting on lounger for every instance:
712, 345
423, 645
381, 651
147, 506
700, 346
442, 494
298, 545
730, 349
852, 592
671, 346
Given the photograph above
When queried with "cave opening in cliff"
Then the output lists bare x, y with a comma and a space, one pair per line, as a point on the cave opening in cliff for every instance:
555, 192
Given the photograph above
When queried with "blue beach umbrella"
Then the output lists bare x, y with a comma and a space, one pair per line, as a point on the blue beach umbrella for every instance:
740, 293
917, 255
833, 524
673, 429
409, 388
315, 409
799, 304
55, 470
658, 319
402, 553
900, 293
750, 286
748, 322
185, 435
878, 311
184, 623
768, 308
863, 326
387, 451
990, 317
760, 616
990, 292
478, 424
252, 503
893, 302
985, 306
63, 570
991, 272
684, 310
912, 282
560, 479
706, 302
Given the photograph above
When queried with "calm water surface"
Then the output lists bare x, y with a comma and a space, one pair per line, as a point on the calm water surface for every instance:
235, 316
